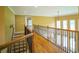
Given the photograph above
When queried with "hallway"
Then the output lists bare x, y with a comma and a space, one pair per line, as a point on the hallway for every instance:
42, 29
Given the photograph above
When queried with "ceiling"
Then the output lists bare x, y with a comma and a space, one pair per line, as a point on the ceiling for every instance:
44, 10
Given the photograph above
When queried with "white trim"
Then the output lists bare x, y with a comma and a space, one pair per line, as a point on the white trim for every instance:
19, 32
11, 10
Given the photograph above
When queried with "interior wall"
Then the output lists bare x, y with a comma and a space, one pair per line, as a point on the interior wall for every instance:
6, 19
9, 20
51, 21
2, 28
43, 20
19, 23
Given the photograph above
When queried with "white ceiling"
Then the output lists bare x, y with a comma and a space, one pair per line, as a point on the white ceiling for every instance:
44, 10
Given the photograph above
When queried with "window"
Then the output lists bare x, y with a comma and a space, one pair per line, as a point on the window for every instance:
72, 24
29, 23
58, 24
64, 24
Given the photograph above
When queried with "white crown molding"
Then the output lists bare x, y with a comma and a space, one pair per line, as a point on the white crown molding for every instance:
11, 10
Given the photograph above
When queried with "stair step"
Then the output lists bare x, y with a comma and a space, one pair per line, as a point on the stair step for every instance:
20, 50
23, 49
17, 47
21, 43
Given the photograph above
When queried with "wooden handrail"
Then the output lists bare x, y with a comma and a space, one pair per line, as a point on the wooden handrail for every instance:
7, 44
58, 28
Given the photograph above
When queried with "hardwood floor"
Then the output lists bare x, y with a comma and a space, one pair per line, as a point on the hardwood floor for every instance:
42, 45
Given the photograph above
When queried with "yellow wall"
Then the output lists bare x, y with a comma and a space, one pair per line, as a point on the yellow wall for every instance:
37, 20
19, 23
6, 19
2, 32
9, 20
44, 21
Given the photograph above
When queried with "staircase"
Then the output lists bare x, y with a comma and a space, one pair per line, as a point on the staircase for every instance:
19, 47
19, 43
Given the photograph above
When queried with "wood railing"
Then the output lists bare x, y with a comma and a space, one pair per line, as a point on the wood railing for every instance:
15, 40
65, 39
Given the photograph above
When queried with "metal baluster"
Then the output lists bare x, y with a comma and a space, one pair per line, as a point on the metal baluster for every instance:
78, 42
9, 49
55, 36
56, 41
19, 46
41, 31
75, 42
47, 32
61, 40
23, 46
26, 44
67, 41
14, 47
38, 29
72, 42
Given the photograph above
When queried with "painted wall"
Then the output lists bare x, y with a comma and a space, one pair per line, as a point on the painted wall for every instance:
44, 21
9, 20
2, 28
19, 23
6, 19
51, 21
